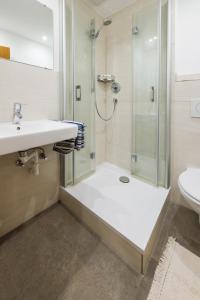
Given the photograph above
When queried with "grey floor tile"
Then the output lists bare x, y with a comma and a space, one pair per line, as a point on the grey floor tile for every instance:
55, 257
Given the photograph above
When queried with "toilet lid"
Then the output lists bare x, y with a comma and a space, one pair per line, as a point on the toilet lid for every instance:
190, 182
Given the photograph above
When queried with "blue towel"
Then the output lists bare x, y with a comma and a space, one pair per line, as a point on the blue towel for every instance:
80, 139
67, 146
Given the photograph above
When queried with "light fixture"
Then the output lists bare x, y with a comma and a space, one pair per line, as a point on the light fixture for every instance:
44, 38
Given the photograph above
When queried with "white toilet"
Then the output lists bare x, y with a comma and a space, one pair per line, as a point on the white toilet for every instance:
189, 185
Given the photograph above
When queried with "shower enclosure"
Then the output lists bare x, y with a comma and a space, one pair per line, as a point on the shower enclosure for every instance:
79, 93
150, 124
150, 146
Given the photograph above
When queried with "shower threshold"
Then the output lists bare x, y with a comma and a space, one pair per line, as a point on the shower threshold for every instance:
127, 217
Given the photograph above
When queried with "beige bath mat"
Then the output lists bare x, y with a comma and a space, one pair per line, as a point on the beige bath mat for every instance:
177, 276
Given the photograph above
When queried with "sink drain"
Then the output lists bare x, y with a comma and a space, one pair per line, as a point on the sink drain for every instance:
124, 179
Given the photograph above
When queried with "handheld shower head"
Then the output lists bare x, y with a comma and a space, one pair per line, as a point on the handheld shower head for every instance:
106, 22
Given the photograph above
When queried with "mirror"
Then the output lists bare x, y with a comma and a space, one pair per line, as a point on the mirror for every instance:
26, 32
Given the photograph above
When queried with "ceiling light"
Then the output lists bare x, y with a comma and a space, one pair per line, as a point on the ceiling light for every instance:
44, 38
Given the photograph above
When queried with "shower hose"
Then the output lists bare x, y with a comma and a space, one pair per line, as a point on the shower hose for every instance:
115, 101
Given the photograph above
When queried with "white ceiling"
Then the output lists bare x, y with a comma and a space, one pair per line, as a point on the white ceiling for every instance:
28, 18
108, 7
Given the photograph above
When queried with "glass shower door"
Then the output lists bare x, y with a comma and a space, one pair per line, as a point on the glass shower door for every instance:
84, 160
150, 152
145, 102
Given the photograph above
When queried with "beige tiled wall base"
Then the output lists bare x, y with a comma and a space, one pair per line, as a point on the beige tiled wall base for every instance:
116, 242
23, 195
155, 237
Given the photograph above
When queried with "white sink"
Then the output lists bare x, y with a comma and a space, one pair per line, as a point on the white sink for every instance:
32, 134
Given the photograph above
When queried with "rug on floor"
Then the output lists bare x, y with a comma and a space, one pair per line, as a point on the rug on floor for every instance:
177, 274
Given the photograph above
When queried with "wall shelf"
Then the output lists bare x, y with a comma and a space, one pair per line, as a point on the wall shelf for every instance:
105, 78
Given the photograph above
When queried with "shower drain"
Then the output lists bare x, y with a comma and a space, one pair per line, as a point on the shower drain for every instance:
124, 179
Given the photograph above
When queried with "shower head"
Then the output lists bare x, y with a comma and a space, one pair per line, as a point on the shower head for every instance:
106, 22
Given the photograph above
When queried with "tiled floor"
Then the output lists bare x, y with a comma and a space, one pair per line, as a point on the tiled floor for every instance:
55, 257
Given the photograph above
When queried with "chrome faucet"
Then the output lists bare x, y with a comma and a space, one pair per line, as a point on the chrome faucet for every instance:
17, 115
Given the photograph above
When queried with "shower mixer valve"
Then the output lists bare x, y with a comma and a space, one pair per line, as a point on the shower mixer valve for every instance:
115, 87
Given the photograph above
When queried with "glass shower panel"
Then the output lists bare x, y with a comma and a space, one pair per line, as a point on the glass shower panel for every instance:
84, 162
145, 102
67, 160
163, 142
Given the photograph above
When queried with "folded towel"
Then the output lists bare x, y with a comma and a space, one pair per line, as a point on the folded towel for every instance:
80, 139
67, 146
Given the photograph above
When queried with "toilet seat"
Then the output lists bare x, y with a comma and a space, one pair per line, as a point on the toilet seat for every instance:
189, 184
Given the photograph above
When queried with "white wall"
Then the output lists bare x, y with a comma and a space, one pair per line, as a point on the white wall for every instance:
187, 43
27, 51
37, 89
185, 131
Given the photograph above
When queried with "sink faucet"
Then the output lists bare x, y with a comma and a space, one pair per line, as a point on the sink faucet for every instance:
17, 115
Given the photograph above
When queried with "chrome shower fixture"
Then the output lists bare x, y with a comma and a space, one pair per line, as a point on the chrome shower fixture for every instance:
135, 30
115, 87
106, 22
105, 78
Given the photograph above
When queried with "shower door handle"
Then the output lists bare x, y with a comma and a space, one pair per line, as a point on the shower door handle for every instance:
152, 94
78, 92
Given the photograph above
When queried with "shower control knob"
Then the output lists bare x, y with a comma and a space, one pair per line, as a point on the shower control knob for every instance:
115, 87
